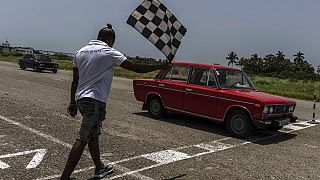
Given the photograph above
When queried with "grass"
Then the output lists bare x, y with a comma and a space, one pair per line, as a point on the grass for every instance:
297, 89
13, 59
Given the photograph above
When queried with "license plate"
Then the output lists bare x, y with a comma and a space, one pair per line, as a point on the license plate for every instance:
284, 122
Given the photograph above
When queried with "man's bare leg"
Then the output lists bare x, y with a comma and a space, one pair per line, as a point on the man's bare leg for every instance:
95, 152
73, 159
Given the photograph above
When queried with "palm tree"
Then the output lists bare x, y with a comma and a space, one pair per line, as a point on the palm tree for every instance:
299, 57
232, 58
280, 55
256, 63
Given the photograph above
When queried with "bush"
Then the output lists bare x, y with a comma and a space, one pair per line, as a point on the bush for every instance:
16, 54
5, 54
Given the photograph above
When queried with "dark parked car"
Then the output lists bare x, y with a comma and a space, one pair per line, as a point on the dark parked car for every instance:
38, 62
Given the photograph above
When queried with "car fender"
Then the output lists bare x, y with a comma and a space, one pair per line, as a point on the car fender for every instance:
230, 108
153, 93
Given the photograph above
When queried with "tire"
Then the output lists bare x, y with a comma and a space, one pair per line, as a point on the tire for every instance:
155, 107
55, 71
22, 67
36, 69
274, 128
239, 124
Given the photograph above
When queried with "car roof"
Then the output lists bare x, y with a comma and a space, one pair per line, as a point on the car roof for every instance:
204, 65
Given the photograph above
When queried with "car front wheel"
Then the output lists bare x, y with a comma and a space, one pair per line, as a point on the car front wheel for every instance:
22, 67
55, 71
155, 107
239, 124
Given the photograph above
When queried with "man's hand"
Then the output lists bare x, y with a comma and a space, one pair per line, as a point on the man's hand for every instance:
72, 110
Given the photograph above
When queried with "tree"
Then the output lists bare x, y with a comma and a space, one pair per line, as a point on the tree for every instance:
299, 57
280, 55
232, 58
282, 64
269, 63
256, 64
301, 65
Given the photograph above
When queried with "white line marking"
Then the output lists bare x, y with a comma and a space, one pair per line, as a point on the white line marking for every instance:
293, 127
215, 146
4, 165
51, 138
165, 157
212, 147
48, 137
36, 160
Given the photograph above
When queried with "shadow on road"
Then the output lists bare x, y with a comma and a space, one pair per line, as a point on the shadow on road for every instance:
190, 122
259, 136
177, 177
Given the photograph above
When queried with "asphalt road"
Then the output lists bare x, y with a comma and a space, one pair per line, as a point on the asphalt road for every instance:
36, 136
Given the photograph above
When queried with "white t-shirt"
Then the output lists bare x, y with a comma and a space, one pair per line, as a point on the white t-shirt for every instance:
96, 63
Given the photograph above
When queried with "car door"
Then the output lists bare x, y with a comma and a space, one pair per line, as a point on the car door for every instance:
200, 97
172, 86
28, 60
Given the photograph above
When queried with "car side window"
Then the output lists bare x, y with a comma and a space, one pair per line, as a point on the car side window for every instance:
203, 77
199, 76
212, 80
178, 74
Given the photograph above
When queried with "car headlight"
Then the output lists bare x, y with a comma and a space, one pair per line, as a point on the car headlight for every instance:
271, 110
268, 109
291, 108
41, 64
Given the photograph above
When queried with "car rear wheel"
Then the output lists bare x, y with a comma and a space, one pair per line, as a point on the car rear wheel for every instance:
36, 69
155, 107
239, 124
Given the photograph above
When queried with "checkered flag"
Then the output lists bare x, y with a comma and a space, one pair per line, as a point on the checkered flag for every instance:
155, 22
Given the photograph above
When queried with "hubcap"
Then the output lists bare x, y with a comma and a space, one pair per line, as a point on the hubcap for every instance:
155, 106
238, 124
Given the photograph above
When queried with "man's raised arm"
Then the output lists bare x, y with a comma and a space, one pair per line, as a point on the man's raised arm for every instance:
142, 68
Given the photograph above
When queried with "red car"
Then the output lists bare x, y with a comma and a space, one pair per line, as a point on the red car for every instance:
214, 92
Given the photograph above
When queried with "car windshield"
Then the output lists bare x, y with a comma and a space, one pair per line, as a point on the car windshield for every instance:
233, 79
43, 58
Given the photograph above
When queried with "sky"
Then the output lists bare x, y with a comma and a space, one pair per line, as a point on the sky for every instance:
215, 27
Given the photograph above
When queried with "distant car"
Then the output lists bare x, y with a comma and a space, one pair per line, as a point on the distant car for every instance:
38, 62
218, 93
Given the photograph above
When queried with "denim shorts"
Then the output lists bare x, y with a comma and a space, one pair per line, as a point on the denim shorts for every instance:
93, 113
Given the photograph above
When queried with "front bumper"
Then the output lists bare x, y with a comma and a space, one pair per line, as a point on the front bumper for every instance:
275, 123
48, 68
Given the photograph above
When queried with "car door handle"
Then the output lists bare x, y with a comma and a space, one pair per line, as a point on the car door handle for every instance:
188, 89
161, 85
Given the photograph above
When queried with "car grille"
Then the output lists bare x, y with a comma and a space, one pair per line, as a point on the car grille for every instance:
278, 109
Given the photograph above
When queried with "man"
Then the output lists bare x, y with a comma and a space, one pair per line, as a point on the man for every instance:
93, 71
